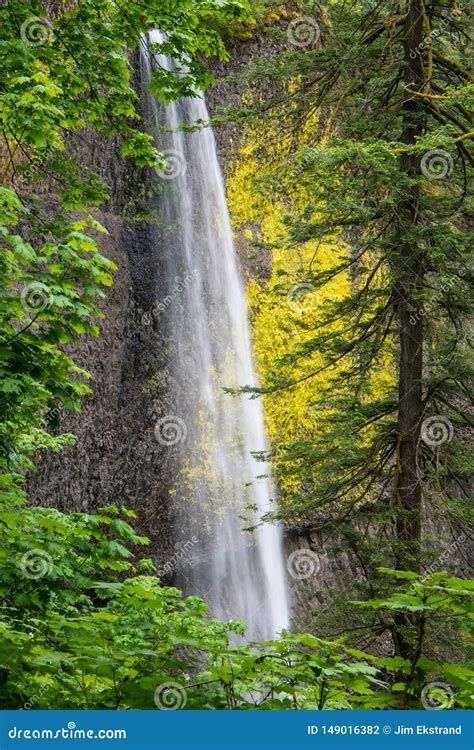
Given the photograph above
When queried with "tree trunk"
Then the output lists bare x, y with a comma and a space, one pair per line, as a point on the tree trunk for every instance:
409, 273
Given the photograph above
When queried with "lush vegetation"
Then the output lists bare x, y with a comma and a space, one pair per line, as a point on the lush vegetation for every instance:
84, 627
60, 77
84, 621
362, 197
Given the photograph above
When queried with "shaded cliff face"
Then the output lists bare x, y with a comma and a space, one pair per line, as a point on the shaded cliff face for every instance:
231, 92
116, 458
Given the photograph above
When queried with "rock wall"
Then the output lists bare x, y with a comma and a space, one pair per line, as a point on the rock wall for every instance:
116, 458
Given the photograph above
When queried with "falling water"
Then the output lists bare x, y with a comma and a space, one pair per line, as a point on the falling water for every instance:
220, 486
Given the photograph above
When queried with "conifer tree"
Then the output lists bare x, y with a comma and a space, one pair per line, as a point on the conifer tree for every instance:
387, 172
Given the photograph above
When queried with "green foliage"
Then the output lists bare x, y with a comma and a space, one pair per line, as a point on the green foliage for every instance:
366, 154
426, 604
298, 672
61, 75
352, 175
82, 627
48, 300
84, 622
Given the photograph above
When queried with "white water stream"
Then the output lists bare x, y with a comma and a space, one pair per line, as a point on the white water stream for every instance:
241, 575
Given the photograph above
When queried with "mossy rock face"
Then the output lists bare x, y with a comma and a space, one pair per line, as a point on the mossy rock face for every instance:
116, 456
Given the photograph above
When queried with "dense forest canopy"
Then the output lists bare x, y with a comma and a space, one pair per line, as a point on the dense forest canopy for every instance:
358, 191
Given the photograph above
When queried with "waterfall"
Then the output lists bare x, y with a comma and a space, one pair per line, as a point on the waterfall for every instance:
220, 487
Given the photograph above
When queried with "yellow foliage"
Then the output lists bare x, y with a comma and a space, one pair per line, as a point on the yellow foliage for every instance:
290, 414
